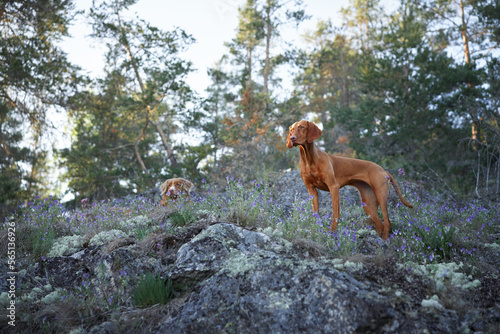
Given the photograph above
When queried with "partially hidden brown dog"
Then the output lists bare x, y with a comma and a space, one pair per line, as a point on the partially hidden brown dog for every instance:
172, 189
320, 170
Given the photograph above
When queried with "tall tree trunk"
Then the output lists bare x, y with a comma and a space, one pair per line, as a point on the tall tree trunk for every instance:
464, 34
249, 66
136, 146
150, 110
164, 141
265, 89
33, 163
476, 135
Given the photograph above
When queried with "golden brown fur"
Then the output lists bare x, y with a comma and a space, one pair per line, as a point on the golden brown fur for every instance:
320, 170
175, 188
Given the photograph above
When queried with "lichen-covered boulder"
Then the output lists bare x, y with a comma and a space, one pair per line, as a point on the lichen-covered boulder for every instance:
248, 282
206, 253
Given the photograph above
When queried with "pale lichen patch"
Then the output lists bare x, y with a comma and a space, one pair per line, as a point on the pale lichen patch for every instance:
447, 274
106, 237
432, 302
66, 245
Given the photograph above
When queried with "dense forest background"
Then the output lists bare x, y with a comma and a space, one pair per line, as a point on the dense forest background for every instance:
415, 88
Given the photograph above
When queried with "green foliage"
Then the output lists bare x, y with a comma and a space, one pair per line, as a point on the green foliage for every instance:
34, 77
122, 138
99, 162
184, 216
402, 118
152, 290
11, 174
38, 225
247, 206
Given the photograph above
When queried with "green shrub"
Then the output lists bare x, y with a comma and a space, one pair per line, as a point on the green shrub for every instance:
183, 217
152, 290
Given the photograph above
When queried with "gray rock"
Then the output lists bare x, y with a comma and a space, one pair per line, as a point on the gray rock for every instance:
206, 253
249, 282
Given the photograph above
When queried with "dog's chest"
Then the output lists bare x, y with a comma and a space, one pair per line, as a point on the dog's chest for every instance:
313, 176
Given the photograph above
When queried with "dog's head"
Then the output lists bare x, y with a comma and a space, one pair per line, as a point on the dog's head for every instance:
301, 132
174, 187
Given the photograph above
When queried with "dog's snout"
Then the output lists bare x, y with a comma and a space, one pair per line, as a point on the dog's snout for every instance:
293, 138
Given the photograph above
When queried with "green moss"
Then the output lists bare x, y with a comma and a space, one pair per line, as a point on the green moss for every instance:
492, 246
347, 265
4, 300
280, 300
239, 263
76, 331
365, 231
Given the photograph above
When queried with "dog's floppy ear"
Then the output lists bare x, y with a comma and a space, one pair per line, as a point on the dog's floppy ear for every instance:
289, 143
188, 185
313, 132
163, 188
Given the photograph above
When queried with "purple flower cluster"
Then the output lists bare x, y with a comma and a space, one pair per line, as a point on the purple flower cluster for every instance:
436, 230
439, 230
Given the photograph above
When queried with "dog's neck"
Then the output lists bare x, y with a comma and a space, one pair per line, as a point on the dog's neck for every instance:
308, 152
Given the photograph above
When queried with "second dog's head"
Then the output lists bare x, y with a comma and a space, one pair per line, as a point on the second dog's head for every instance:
302, 132
175, 187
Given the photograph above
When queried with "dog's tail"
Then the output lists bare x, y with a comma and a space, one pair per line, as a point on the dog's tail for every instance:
398, 191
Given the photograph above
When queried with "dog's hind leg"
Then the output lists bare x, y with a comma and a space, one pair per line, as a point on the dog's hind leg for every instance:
370, 205
382, 193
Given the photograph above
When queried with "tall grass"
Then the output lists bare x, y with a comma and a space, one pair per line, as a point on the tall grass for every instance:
152, 290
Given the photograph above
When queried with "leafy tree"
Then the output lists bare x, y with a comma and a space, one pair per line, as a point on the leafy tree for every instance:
276, 13
402, 117
215, 108
364, 18
100, 162
489, 18
327, 82
148, 58
250, 127
491, 125
464, 30
11, 175
35, 76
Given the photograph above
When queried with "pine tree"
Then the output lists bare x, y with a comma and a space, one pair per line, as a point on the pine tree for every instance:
35, 76
148, 58
327, 83
402, 117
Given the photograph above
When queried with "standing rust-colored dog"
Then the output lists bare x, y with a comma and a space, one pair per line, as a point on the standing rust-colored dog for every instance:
173, 188
330, 173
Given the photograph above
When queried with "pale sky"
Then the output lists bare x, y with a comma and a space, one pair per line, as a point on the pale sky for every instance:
210, 22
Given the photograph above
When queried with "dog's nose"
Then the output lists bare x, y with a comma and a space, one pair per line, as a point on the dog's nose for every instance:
293, 138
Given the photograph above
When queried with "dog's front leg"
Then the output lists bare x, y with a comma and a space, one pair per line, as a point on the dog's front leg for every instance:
315, 199
334, 193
